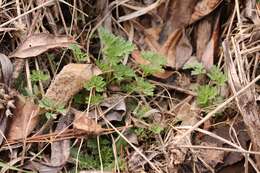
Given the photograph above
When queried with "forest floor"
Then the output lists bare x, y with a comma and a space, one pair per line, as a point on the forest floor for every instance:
130, 86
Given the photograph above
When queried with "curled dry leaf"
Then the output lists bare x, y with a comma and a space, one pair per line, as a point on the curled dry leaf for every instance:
24, 120
203, 8
36, 44
82, 121
60, 150
69, 81
6, 69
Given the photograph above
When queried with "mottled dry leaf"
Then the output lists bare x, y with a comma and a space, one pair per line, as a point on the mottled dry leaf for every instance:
203, 8
36, 44
211, 157
82, 121
183, 51
69, 81
188, 117
60, 150
207, 42
6, 69
24, 120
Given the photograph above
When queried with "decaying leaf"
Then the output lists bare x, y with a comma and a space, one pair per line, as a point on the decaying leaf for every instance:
82, 121
6, 69
60, 150
24, 120
211, 157
188, 117
36, 44
69, 81
207, 40
203, 8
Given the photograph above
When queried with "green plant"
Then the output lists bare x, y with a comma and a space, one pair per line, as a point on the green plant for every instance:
77, 53
38, 75
97, 83
217, 76
196, 67
95, 99
115, 48
155, 64
206, 95
52, 108
156, 128
89, 158
142, 86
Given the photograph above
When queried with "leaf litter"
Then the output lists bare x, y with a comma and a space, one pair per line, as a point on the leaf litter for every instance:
182, 61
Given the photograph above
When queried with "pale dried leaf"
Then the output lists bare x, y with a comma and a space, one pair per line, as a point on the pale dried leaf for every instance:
37, 44
83, 122
60, 150
183, 51
70, 81
211, 157
24, 120
6, 69
203, 8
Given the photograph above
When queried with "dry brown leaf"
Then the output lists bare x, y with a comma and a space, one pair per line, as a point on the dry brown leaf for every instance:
60, 150
82, 121
36, 44
69, 81
183, 51
203, 8
207, 42
6, 69
211, 157
24, 120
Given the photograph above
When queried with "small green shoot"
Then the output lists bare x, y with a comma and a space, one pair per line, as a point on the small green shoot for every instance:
122, 72
77, 53
97, 83
156, 128
95, 99
38, 75
206, 95
143, 87
115, 48
52, 108
217, 76
155, 65
196, 67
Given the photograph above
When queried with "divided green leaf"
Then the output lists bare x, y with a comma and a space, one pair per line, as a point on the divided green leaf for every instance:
78, 54
115, 48
217, 76
196, 67
156, 62
123, 72
38, 75
97, 83
206, 95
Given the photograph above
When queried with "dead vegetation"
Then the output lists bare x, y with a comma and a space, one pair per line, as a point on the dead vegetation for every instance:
159, 86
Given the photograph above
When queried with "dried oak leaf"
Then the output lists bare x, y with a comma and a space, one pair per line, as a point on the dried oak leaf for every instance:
24, 120
82, 121
36, 44
70, 81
